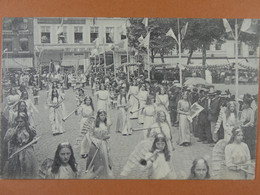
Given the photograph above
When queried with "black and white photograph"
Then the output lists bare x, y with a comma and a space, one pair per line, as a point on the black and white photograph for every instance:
129, 98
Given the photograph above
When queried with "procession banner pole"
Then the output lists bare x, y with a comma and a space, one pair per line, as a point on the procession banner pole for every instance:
114, 63
148, 62
236, 42
179, 45
104, 56
95, 63
127, 68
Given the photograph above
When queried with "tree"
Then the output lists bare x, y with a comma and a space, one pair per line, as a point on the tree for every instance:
159, 42
250, 39
201, 33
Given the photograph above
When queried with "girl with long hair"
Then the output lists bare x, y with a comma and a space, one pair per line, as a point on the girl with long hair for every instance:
30, 107
247, 123
98, 154
142, 96
9, 112
102, 98
133, 100
157, 161
199, 170
183, 110
229, 118
22, 110
237, 156
162, 126
162, 102
23, 165
56, 112
149, 113
122, 114
64, 165
86, 110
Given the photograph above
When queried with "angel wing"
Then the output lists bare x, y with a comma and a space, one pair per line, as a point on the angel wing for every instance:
87, 127
139, 153
218, 158
46, 165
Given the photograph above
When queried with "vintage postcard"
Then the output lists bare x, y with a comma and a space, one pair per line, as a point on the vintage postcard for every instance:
129, 98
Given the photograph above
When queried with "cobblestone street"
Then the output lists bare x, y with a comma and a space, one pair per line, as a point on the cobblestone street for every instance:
120, 146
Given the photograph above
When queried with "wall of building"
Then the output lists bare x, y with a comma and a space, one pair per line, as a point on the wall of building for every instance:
18, 32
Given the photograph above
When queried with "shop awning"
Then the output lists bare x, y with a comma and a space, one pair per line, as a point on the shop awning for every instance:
72, 60
18, 63
128, 64
48, 55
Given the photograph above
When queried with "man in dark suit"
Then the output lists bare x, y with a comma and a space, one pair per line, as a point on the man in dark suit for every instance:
213, 113
204, 133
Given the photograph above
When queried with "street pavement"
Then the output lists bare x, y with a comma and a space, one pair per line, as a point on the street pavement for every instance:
120, 146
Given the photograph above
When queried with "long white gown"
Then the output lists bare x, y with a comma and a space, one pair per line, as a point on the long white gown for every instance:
165, 129
86, 112
149, 114
133, 101
56, 115
30, 109
102, 100
162, 102
123, 123
142, 95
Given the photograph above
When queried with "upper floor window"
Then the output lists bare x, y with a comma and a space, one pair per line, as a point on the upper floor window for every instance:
78, 34
93, 33
62, 37
24, 44
109, 34
8, 44
45, 34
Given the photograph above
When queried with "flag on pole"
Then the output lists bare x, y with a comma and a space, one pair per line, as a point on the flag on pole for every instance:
249, 26
184, 30
145, 22
147, 40
96, 42
126, 44
170, 33
94, 52
227, 26
60, 28
111, 46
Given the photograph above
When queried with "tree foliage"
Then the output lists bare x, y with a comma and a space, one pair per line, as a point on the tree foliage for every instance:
159, 42
201, 33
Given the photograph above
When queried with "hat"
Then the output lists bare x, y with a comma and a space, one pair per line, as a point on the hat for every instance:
195, 89
240, 98
212, 91
223, 94
177, 85
218, 92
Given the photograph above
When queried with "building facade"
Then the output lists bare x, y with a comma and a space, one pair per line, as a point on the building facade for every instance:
216, 54
75, 43
17, 43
